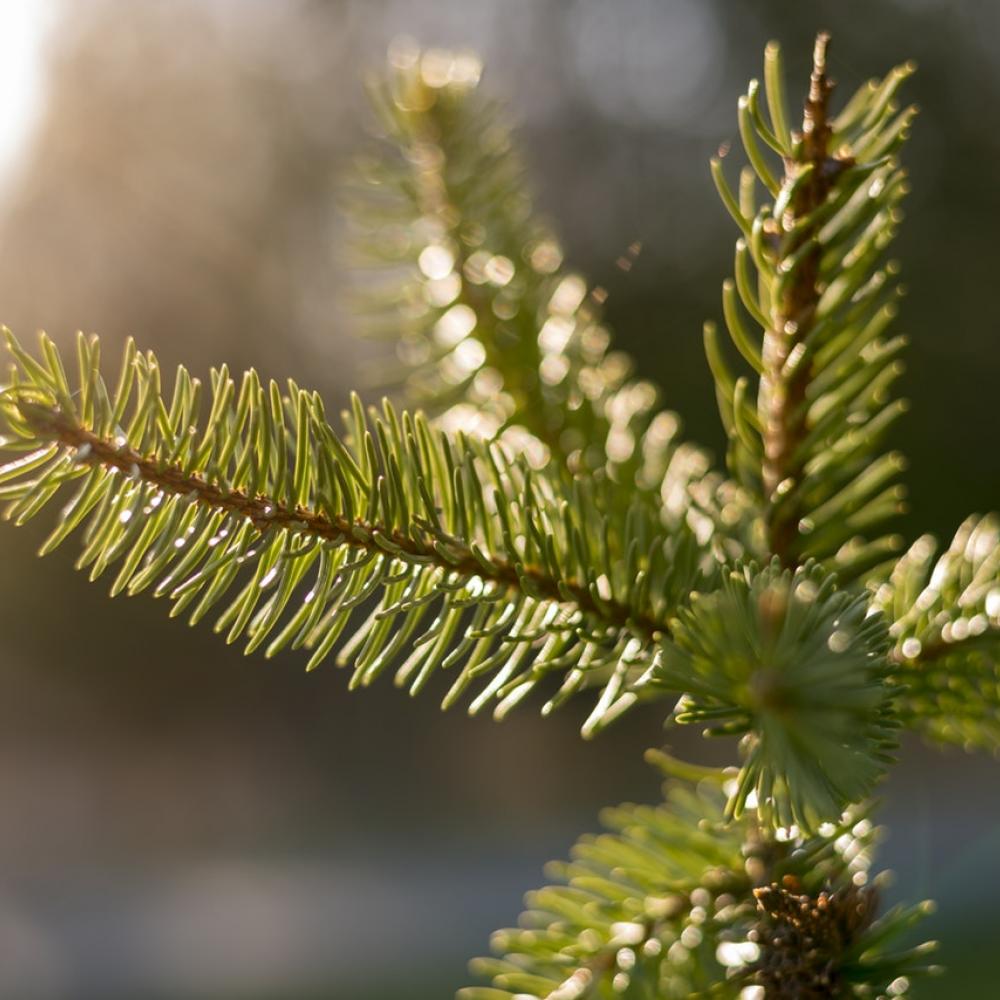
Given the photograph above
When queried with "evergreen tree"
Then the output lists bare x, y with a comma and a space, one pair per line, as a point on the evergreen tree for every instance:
544, 526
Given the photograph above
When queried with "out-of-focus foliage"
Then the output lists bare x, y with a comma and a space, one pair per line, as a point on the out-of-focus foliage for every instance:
945, 615
676, 901
495, 334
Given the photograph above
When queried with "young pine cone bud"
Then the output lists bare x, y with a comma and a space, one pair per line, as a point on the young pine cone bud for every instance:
802, 937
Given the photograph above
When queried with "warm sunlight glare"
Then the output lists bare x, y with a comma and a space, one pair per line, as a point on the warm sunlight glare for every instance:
23, 25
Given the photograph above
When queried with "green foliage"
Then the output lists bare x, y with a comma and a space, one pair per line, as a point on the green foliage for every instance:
621, 916
799, 668
808, 311
478, 559
495, 333
945, 616
668, 903
546, 524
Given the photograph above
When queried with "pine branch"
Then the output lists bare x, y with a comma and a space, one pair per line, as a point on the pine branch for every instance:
945, 616
820, 301
668, 904
478, 559
498, 336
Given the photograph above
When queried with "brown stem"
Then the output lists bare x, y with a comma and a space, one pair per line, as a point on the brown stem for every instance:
265, 513
786, 378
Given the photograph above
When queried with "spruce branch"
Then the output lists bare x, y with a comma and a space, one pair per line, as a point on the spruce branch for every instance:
807, 311
479, 559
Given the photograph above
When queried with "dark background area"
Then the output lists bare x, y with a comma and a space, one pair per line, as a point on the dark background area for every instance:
178, 822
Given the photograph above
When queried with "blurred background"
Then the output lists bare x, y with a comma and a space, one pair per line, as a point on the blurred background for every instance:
178, 822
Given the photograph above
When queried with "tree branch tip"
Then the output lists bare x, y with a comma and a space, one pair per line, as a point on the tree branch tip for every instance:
820, 50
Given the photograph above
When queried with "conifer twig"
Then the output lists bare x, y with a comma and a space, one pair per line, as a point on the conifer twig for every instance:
786, 376
459, 551
266, 513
